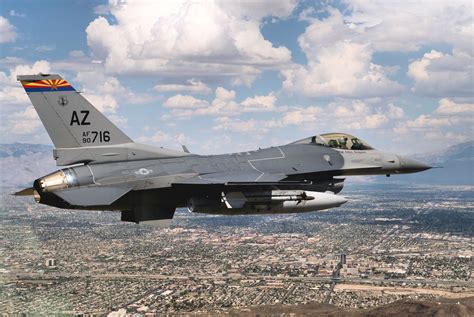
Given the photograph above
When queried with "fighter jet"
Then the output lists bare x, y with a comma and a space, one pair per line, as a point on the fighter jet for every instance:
103, 169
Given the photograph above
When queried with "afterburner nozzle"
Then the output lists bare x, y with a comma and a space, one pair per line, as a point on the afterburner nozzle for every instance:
55, 181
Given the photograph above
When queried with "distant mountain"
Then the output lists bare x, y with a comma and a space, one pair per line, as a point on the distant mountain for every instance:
19, 149
441, 307
457, 164
22, 163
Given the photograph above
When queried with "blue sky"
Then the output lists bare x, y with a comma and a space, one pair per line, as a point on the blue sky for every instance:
224, 76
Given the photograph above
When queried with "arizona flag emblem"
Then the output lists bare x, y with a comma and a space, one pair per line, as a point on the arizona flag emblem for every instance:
47, 85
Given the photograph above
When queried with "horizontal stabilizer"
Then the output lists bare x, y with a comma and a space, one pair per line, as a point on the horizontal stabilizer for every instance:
92, 196
113, 153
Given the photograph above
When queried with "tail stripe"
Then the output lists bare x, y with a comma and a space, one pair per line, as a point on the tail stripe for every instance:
47, 85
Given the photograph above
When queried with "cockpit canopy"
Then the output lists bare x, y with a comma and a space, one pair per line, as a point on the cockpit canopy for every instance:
341, 141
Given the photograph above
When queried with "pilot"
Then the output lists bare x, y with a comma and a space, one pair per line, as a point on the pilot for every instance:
356, 145
333, 143
343, 142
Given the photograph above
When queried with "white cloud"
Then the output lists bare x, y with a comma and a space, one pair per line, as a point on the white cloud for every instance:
185, 102
223, 104
108, 89
107, 94
224, 95
7, 31
338, 65
448, 107
385, 122
19, 119
414, 24
259, 9
298, 116
357, 115
443, 75
430, 132
76, 54
375, 121
45, 48
185, 45
426, 121
192, 86
106, 104
218, 143
394, 112
188, 38
12, 93
36, 68
449, 117
340, 48
22, 122
259, 103
164, 139
407, 26
444, 138
11, 61
343, 115
339, 115
184, 139
244, 126
14, 13
157, 138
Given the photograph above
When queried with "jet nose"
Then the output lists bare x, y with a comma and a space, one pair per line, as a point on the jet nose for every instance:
409, 165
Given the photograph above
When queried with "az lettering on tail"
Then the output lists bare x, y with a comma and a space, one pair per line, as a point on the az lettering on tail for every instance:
83, 121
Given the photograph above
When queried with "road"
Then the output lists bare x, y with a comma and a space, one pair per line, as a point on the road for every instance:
12, 276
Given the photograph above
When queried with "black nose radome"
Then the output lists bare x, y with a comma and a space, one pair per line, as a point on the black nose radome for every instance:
409, 165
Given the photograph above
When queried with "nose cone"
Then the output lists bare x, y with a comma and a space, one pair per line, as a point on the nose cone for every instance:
339, 200
409, 165
325, 200
331, 200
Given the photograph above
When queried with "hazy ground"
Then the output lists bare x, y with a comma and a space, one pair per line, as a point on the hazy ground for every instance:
411, 243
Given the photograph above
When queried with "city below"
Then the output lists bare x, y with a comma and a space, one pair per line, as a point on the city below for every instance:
388, 243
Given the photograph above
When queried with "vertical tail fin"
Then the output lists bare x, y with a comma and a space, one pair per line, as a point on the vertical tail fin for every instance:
70, 120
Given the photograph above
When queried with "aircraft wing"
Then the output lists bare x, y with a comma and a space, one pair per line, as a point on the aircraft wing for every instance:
239, 179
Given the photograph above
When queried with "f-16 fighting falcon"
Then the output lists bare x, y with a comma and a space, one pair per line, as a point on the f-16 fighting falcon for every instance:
103, 169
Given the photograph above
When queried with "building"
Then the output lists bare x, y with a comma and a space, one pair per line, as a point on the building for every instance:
343, 258
50, 262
